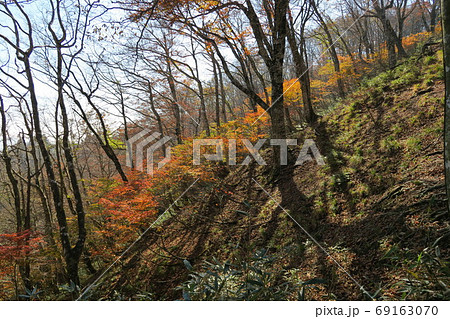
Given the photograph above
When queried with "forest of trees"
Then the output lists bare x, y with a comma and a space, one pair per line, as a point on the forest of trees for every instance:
80, 78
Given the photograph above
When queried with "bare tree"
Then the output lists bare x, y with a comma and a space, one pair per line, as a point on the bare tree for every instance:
67, 30
331, 48
298, 53
380, 11
21, 209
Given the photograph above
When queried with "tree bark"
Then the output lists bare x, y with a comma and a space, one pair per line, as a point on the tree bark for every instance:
157, 117
302, 73
22, 217
175, 107
216, 89
445, 11
276, 110
434, 14
222, 93
73, 254
332, 50
391, 38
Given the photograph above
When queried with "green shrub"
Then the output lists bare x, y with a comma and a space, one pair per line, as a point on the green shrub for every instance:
356, 159
390, 145
255, 279
430, 59
428, 277
404, 80
380, 80
413, 144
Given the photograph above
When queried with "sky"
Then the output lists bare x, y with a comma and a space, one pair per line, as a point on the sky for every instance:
103, 37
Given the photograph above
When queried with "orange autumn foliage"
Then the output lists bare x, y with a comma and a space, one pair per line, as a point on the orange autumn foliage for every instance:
14, 247
120, 210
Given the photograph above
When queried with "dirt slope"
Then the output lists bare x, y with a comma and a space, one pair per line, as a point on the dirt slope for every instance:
374, 207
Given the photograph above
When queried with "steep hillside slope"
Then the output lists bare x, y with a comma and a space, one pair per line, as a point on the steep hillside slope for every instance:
373, 216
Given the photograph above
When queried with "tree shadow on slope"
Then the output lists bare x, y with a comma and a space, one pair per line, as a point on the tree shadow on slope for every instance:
193, 233
293, 200
368, 239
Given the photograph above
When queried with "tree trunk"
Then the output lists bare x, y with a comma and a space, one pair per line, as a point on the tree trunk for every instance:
175, 107
26, 267
390, 43
302, 72
434, 14
445, 10
204, 124
157, 116
216, 88
73, 255
332, 50
22, 217
287, 116
397, 40
276, 111
222, 94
